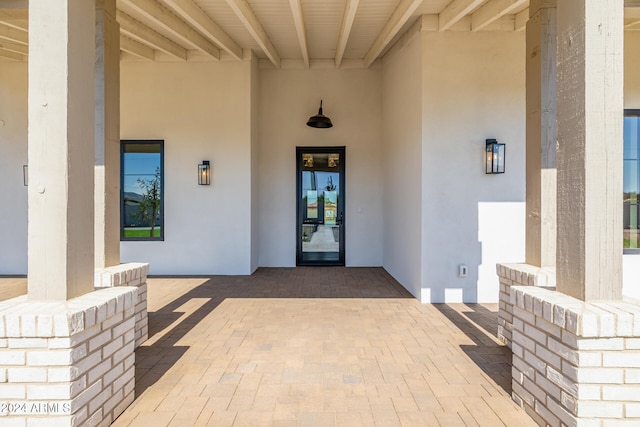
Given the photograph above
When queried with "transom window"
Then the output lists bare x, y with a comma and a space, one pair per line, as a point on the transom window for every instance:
141, 190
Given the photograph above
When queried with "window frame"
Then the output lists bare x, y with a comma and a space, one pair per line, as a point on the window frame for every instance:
123, 143
632, 112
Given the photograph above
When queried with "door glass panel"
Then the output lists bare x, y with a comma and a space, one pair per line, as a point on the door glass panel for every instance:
321, 208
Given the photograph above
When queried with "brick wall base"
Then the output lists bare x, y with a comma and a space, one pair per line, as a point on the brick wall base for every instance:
518, 275
575, 363
130, 274
71, 363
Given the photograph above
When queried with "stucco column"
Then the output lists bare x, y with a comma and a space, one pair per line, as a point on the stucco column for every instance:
590, 108
61, 148
541, 134
107, 136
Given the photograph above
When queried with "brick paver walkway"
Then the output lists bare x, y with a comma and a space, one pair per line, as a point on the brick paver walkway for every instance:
316, 347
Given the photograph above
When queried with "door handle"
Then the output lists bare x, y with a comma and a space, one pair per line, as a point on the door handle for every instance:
340, 219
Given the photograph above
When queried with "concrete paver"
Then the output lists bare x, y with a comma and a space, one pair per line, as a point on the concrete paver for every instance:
316, 347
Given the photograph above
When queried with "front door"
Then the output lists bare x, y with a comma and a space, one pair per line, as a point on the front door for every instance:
320, 205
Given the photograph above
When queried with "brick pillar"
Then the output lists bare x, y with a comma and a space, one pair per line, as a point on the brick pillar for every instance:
61, 150
590, 109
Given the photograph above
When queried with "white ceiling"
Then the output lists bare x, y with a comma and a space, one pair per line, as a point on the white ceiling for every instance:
354, 32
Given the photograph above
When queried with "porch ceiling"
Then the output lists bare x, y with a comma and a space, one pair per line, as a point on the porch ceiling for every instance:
351, 33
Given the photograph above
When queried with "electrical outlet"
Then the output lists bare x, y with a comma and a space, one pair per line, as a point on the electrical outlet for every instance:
463, 270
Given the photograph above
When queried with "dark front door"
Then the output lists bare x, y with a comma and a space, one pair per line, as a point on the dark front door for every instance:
320, 205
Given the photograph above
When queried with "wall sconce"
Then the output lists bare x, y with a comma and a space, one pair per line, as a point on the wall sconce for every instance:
204, 173
494, 156
320, 120
25, 175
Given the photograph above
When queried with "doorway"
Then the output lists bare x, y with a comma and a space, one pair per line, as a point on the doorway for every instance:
320, 202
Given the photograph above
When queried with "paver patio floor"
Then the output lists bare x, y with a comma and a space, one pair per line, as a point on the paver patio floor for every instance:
317, 347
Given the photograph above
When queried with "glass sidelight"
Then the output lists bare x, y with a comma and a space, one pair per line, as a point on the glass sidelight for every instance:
320, 205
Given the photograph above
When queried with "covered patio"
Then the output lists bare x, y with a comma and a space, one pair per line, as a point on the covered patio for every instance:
314, 346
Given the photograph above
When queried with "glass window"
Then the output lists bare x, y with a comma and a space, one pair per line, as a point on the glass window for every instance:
141, 190
631, 183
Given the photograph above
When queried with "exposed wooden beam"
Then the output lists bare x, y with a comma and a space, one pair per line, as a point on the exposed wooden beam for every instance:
146, 35
14, 35
632, 24
298, 20
163, 17
347, 23
136, 48
14, 14
455, 11
14, 47
521, 20
251, 22
195, 16
492, 11
399, 17
6, 54
18, 24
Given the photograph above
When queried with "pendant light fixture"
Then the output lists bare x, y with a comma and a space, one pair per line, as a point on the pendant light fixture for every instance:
320, 121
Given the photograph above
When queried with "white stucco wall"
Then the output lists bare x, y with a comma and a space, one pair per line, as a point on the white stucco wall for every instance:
202, 111
255, 139
402, 166
444, 94
473, 89
353, 101
13, 154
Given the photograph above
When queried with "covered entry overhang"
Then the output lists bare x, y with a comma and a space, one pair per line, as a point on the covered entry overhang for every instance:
68, 102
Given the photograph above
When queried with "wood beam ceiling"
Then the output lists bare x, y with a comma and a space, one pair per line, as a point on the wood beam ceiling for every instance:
492, 11
136, 48
14, 47
345, 30
13, 35
298, 21
143, 34
251, 22
7, 54
455, 11
160, 15
521, 20
399, 17
192, 14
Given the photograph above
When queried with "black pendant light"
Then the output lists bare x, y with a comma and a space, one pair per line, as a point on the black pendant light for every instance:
320, 121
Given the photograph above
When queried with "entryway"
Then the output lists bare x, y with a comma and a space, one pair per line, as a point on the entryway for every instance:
320, 205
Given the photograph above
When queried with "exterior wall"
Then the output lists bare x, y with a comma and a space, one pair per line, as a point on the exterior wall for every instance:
255, 138
202, 111
13, 154
353, 101
402, 169
473, 89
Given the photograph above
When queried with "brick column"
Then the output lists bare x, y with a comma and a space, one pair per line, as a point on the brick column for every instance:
590, 108
61, 151
107, 136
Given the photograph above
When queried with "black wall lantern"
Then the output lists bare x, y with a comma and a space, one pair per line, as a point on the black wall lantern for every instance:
494, 156
204, 173
320, 121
